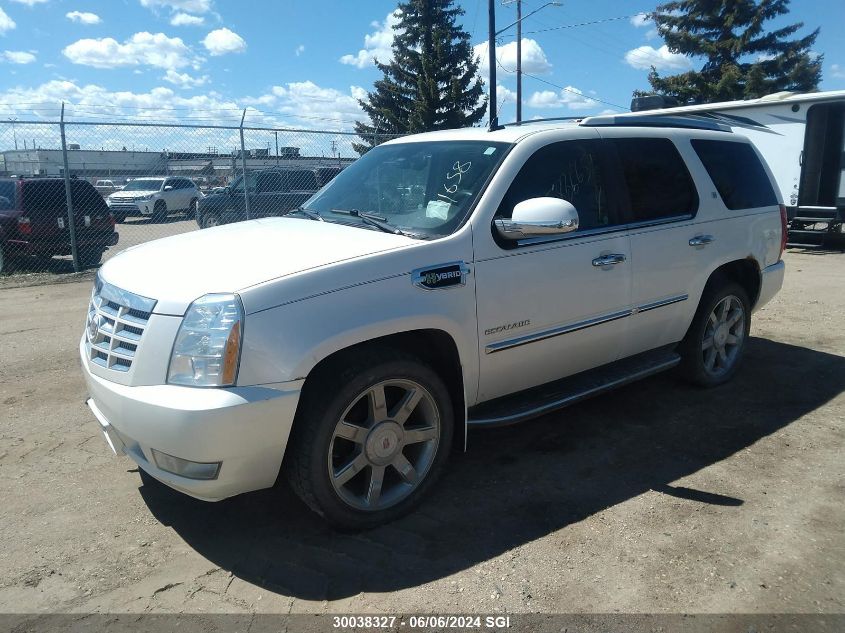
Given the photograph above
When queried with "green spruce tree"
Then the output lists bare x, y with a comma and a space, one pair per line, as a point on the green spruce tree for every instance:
431, 83
742, 59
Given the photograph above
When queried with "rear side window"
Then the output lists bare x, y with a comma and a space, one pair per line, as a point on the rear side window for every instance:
659, 185
85, 198
736, 171
303, 181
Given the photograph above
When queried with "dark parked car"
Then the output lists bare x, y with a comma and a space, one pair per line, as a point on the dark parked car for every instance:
271, 192
34, 220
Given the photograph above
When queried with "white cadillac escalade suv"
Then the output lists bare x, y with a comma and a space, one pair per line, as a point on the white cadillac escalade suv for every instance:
445, 280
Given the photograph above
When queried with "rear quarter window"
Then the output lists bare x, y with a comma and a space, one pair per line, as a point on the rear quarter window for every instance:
7, 195
735, 169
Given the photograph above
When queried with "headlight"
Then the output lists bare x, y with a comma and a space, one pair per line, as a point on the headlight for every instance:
208, 346
149, 197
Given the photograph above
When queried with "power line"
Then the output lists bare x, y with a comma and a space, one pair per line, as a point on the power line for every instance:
572, 26
575, 92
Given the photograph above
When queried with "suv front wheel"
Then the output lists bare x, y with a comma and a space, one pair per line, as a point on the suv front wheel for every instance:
370, 439
714, 346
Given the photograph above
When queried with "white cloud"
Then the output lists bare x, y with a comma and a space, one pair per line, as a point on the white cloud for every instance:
83, 17
142, 49
837, 71
300, 49
184, 80
644, 57
18, 57
223, 41
569, 97
312, 105
6, 23
640, 20
534, 59
30, 3
186, 19
377, 45
189, 6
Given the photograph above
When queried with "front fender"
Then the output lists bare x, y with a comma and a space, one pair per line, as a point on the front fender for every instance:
286, 342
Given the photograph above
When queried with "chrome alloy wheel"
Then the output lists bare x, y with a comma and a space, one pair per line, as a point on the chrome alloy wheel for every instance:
724, 335
384, 444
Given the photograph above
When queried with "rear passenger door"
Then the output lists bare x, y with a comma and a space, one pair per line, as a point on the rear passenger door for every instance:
270, 186
660, 201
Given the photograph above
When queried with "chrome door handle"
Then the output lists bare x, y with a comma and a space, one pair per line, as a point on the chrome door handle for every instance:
701, 240
609, 260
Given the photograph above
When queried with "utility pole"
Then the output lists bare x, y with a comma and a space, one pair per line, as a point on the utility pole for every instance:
518, 24
491, 60
518, 61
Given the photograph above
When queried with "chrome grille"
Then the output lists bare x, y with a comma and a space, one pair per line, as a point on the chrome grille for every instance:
115, 325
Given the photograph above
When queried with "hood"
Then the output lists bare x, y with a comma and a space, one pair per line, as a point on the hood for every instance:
177, 270
133, 194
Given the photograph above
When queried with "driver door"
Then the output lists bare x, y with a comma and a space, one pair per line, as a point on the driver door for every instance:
551, 307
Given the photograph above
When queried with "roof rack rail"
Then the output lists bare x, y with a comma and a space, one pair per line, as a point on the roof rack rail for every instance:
689, 121
529, 121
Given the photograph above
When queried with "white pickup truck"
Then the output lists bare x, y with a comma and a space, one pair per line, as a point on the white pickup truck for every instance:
443, 281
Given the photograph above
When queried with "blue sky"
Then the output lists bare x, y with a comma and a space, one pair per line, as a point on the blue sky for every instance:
304, 64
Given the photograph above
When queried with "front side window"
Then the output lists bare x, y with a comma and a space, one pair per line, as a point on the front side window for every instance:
424, 188
659, 185
569, 170
238, 185
737, 173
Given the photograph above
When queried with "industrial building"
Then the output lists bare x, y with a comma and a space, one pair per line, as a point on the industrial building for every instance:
124, 164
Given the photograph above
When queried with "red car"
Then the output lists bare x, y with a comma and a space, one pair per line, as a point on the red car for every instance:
34, 220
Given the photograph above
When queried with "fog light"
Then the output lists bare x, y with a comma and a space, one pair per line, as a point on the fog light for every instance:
185, 467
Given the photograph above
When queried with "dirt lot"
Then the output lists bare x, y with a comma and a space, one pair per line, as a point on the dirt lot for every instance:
658, 498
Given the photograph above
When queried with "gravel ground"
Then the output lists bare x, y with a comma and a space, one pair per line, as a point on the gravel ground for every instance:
659, 498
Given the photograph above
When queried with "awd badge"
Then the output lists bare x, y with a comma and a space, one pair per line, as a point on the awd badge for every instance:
448, 275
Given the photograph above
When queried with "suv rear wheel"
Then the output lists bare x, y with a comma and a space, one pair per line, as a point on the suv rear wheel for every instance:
191, 213
715, 343
370, 440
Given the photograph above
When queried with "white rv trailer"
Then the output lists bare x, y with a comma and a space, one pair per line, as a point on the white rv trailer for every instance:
802, 137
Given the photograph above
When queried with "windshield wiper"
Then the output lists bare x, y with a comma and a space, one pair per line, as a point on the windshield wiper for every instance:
373, 220
307, 213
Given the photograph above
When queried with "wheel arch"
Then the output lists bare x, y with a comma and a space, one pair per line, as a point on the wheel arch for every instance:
435, 347
746, 272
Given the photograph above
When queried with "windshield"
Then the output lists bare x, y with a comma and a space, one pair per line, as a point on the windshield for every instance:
144, 184
423, 188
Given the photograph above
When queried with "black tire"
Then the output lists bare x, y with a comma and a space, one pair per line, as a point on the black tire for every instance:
694, 349
159, 211
90, 257
191, 213
336, 391
210, 219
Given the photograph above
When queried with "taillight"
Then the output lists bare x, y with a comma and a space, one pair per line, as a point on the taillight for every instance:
111, 219
24, 226
784, 230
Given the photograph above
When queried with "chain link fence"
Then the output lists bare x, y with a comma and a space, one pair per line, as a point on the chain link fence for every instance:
73, 194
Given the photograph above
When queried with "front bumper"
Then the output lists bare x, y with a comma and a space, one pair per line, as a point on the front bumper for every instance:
771, 281
244, 428
132, 208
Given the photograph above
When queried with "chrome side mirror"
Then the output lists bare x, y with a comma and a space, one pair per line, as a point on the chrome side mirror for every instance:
538, 217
